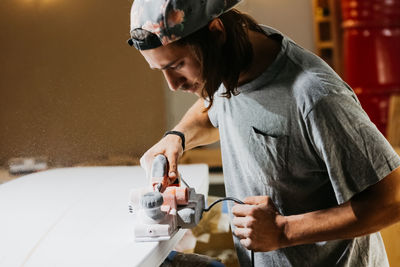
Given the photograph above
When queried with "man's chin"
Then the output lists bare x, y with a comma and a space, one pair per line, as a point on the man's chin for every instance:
194, 90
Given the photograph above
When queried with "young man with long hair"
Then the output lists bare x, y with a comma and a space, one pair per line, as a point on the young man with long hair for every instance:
317, 178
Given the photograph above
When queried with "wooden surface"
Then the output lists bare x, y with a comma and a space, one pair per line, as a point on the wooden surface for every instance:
393, 129
391, 238
209, 156
79, 217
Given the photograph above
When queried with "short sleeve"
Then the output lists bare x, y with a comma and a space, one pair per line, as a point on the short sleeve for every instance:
212, 112
355, 153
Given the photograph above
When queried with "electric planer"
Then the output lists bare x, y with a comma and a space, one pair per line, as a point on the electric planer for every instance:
164, 207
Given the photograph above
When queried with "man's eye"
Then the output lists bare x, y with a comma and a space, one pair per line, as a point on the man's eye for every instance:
177, 67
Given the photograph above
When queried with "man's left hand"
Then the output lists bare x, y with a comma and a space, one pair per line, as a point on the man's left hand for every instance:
259, 226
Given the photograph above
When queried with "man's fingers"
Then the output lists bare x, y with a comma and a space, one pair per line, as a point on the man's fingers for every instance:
173, 171
171, 147
246, 242
240, 221
241, 210
256, 200
245, 235
173, 153
173, 158
242, 233
172, 166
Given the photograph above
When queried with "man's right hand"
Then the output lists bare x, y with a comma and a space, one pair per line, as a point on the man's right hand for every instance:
171, 147
198, 131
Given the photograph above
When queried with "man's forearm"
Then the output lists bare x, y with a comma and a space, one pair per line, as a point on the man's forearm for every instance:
367, 212
197, 127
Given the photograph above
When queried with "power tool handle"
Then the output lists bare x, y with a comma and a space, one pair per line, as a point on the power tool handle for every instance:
159, 168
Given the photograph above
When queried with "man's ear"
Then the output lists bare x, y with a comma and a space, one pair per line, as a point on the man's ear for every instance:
216, 26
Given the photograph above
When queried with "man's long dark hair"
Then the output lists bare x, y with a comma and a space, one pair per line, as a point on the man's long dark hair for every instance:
223, 63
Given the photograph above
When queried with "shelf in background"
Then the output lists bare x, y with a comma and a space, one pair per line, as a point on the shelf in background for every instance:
327, 31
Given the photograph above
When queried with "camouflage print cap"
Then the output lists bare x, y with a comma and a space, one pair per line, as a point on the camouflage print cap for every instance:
160, 22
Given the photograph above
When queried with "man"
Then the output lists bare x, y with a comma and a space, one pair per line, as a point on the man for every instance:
317, 178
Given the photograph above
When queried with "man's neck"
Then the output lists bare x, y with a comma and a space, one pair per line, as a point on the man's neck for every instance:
265, 51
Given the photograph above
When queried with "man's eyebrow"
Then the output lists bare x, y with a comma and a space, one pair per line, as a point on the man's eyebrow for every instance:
167, 66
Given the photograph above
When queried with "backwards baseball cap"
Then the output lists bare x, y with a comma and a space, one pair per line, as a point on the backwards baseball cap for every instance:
160, 22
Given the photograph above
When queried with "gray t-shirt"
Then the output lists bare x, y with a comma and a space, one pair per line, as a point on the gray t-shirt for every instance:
298, 134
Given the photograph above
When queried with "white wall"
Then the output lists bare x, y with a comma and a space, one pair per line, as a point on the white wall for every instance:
291, 17
71, 89
177, 103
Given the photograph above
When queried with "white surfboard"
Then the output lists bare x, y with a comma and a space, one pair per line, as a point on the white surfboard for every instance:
78, 217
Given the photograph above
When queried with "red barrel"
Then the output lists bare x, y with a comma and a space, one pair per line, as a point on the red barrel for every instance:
372, 53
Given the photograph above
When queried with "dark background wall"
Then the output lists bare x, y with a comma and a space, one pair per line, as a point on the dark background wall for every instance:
71, 88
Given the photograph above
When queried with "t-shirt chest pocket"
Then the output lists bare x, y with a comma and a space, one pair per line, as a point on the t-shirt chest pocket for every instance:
268, 155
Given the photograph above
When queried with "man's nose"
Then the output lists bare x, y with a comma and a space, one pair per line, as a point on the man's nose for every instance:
174, 80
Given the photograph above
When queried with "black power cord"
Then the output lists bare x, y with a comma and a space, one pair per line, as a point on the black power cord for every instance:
237, 201
220, 200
